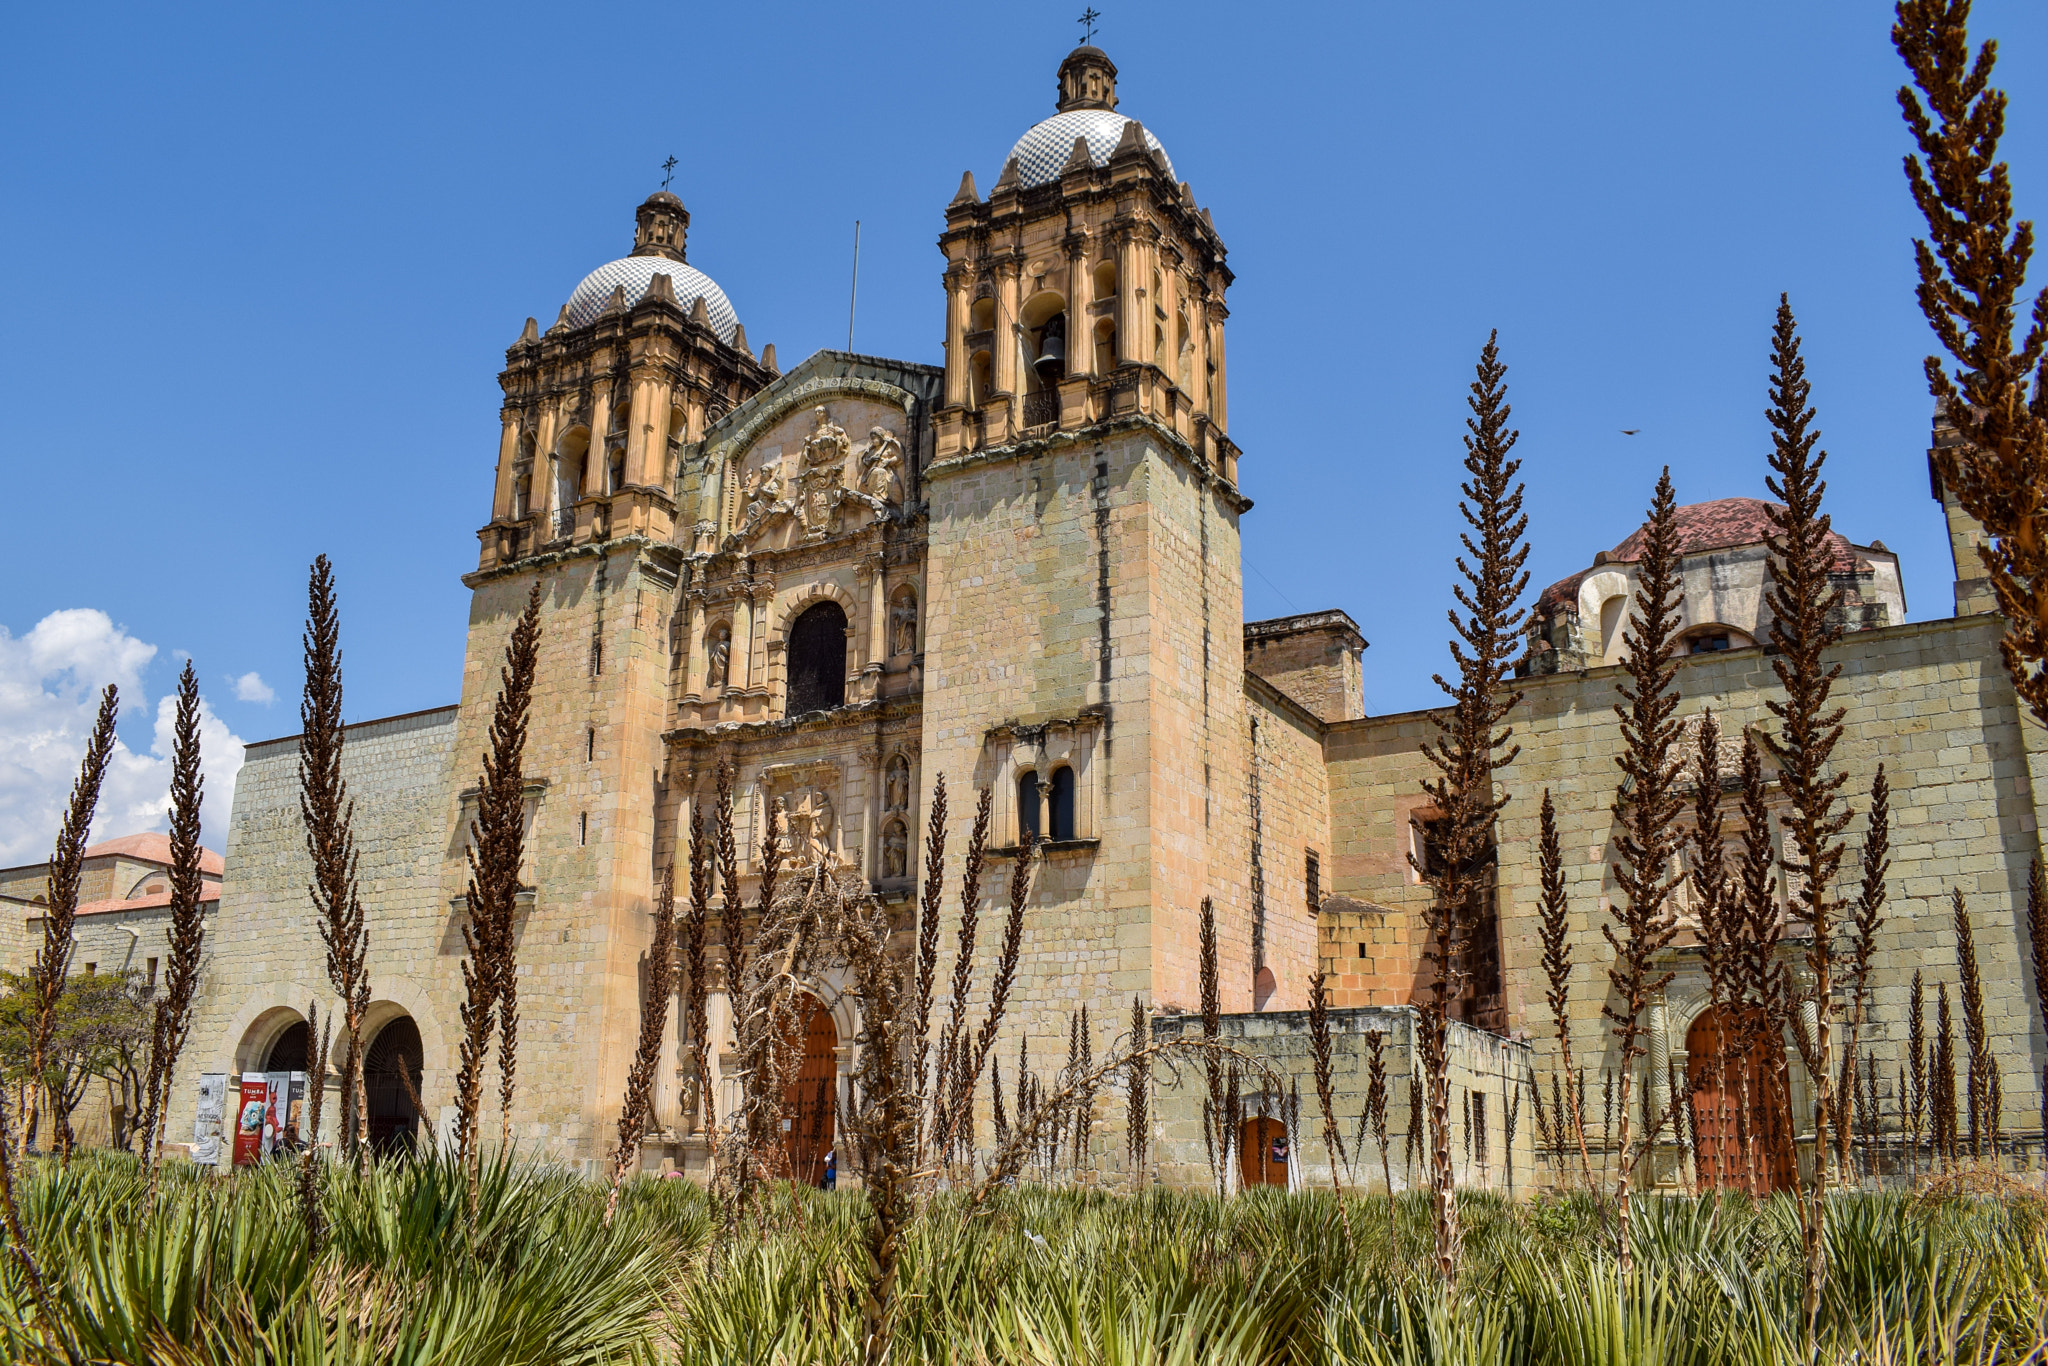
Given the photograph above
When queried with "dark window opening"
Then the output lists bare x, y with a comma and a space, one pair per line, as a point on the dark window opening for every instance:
1028, 806
590, 743
1702, 645
583, 828
596, 658
1063, 803
151, 970
1361, 949
817, 660
92, 969
393, 1121
1314, 877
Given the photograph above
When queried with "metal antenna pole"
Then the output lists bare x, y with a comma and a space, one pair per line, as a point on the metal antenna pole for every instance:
854, 296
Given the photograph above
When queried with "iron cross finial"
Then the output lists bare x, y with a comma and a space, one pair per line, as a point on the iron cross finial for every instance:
1087, 23
669, 172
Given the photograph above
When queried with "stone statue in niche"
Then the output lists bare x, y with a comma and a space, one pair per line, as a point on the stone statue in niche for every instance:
807, 816
903, 624
881, 465
896, 792
821, 478
718, 650
895, 850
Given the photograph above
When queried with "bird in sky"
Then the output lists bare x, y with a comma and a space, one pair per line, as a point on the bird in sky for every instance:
1630, 431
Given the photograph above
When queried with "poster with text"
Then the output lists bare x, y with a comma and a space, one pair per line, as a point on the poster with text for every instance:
249, 1116
213, 1094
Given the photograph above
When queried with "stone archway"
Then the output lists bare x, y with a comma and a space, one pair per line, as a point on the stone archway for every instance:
393, 1120
291, 1051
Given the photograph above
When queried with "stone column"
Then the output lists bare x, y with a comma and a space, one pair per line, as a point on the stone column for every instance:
541, 500
508, 453
956, 336
760, 601
693, 641
1219, 411
1129, 334
637, 428
1005, 348
739, 659
600, 434
878, 624
661, 407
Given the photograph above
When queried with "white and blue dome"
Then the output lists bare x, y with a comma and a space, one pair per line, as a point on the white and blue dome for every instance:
633, 273
1043, 151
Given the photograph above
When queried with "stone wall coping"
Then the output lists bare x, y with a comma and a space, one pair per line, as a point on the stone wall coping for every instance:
1095, 433
1262, 690
448, 712
1540, 683
1303, 623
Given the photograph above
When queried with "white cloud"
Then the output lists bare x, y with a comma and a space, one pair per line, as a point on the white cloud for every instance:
250, 687
50, 680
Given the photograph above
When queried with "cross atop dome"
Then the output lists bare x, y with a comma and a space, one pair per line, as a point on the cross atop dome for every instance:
1087, 80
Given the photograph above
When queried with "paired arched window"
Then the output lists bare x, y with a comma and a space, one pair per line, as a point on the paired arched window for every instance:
817, 660
1046, 808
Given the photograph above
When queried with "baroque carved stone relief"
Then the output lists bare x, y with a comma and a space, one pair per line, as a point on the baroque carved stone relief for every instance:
809, 494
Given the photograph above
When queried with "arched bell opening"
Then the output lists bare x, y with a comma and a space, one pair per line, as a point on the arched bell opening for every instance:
1044, 316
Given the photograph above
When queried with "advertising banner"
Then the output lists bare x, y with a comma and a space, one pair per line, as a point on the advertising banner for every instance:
254, 1106
206, 1125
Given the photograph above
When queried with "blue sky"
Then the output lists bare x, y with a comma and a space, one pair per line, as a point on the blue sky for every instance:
262, 264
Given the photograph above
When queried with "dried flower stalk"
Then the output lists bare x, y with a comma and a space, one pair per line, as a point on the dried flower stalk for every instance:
328, 816
1866, 918
1554, 929
697, 988
1972, 266
659, 985
1975, 1037
172, 1020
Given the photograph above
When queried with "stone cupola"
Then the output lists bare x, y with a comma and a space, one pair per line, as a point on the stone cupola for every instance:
1087, 80
663, 225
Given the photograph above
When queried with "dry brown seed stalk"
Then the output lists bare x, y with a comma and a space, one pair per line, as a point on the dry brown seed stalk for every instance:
1469, 749
928, 916
1972, 266
1212, 1025
1320, 1052
1866, 918
1554, 929
1944, 1090
1137, 1084
1916, 1060
960, 1101
172, 1020
328, 815
310, 1213
732, 913
1806, 611
1646, 807
659, 985
1006, 963
53, 957
496, 847
1976, 1040
697, 989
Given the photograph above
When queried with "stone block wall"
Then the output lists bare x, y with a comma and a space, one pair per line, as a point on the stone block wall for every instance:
264, 961
1486, 1073
1931, 701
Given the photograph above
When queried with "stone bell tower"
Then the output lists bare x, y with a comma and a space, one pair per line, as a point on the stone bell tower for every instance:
1083, 657
596, 410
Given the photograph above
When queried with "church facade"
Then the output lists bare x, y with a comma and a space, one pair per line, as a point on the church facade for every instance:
1020, 570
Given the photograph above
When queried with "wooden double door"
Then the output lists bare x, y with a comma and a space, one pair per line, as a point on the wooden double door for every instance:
1741, 1111
809, 1115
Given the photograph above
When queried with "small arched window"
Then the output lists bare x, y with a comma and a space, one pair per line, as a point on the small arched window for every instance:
1062, 804
1613, 618
1105, 280
615, 472
817, 659
1028, 817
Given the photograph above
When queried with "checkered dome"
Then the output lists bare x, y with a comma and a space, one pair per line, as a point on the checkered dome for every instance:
1042, 152
634, 273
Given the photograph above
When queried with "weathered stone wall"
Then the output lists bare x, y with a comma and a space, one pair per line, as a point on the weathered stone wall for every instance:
1931, 701
1481, 1065
264, 960
1294, 811
1312, 658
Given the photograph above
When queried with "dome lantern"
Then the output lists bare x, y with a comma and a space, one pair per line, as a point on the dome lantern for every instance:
662, 224
1087, 80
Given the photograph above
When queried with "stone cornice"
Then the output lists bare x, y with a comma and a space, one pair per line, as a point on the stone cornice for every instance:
633, 542
1093, 433
854, 716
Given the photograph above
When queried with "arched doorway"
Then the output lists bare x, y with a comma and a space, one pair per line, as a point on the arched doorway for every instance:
1741, 1122
393, 1121
808, 1104
1262, 1152
817, 660
290, 1051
